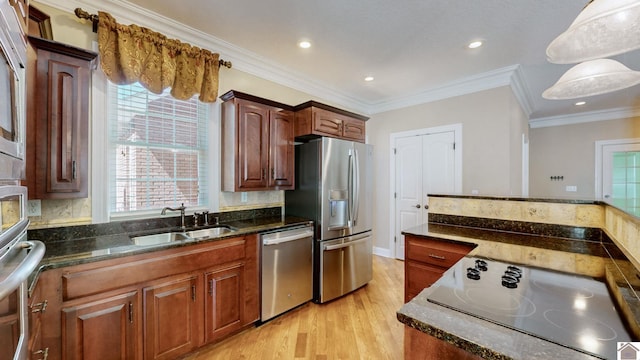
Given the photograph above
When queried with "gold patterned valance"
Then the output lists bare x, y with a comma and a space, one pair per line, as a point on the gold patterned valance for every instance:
130, 53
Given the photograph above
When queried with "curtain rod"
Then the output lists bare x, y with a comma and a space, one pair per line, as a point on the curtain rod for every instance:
94, 19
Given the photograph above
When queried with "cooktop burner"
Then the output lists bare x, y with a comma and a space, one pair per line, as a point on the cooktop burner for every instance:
569, 310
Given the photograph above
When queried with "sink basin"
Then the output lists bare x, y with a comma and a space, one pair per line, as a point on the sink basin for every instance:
162, 238
210, 232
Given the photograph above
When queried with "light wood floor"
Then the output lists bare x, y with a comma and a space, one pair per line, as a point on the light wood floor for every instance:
361, 325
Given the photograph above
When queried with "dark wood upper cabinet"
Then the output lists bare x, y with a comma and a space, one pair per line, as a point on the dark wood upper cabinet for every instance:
58, 86
257, 144
313, 119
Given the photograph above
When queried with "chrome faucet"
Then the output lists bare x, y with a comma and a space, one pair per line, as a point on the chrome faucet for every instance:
181, 208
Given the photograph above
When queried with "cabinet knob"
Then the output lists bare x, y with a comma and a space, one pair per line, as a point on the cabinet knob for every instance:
426, 206
418, 206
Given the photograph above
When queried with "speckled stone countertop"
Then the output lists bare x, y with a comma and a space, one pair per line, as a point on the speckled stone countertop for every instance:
493, 341
82, 244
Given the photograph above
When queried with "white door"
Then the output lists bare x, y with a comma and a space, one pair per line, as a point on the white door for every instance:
408, 193
621, 176
424, 164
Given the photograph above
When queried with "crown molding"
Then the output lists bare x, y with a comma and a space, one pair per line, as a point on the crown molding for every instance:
485, 81
585, 117
520, 90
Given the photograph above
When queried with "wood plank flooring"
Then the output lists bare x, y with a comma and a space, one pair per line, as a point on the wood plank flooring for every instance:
361, 325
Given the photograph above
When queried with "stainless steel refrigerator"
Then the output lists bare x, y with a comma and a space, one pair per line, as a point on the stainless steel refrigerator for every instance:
334, 189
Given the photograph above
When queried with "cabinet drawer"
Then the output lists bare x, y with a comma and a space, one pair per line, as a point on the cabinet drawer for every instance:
419, 276
434, 252
84, 281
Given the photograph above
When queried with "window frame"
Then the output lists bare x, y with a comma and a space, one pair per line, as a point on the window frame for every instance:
99, 164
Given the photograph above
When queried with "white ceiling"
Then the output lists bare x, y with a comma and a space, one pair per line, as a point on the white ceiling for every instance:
411, 47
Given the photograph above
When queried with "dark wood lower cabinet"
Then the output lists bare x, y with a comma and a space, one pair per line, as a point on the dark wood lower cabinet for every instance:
158, 305
426, 259
171, 324
10, 313
224, 308
103, 329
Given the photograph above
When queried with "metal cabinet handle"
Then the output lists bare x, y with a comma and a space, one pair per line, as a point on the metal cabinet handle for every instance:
193, 293
437, 257
39, 307
211, 287
130, 312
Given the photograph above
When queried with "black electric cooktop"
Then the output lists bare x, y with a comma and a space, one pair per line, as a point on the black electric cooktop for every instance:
570, 310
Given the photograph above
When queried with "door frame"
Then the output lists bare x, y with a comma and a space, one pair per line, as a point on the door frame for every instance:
600, 144
457, 130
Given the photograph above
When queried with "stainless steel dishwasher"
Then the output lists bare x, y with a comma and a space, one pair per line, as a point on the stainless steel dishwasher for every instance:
286, 275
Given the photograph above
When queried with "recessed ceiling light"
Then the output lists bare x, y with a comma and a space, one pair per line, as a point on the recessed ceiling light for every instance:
475, 44
580, 103
368, 78
304, 44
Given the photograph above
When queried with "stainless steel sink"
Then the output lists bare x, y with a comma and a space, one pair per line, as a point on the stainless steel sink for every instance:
210, 232
156, 239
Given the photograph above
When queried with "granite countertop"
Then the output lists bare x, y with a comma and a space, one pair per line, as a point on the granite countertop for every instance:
477, 336
493, 341
83, 246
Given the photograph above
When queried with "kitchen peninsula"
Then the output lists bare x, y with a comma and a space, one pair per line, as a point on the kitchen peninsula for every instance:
583, 239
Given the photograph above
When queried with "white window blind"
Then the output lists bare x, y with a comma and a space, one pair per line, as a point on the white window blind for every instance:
157, 150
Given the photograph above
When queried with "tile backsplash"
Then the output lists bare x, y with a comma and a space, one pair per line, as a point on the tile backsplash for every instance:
622, 228
71, 212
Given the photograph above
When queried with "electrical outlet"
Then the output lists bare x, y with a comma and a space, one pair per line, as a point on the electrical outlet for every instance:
571, 188
34, 208
243, 197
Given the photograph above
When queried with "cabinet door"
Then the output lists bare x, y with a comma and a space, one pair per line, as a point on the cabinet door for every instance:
326, 123
353, 129
171, 324
281, 144
9, 326
253, 145
225, 301
104, 329
418, 277
61, 125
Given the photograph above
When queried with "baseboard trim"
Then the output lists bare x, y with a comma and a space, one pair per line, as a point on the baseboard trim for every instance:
380, 251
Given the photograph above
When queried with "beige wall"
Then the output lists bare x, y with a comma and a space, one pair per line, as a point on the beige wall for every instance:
492, 127
569, 151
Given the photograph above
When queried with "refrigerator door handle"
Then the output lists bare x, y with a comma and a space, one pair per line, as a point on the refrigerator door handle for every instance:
345, 245
356, 186
350, 173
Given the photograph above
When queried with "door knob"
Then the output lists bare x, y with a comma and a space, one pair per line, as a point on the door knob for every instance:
418, 206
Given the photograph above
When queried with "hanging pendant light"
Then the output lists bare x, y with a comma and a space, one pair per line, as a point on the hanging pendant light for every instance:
604, 28
592, 77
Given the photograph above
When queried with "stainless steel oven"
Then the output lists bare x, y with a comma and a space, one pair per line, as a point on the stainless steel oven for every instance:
18, 259
13, 53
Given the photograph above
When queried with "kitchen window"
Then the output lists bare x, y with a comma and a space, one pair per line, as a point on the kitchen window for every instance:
157, 150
